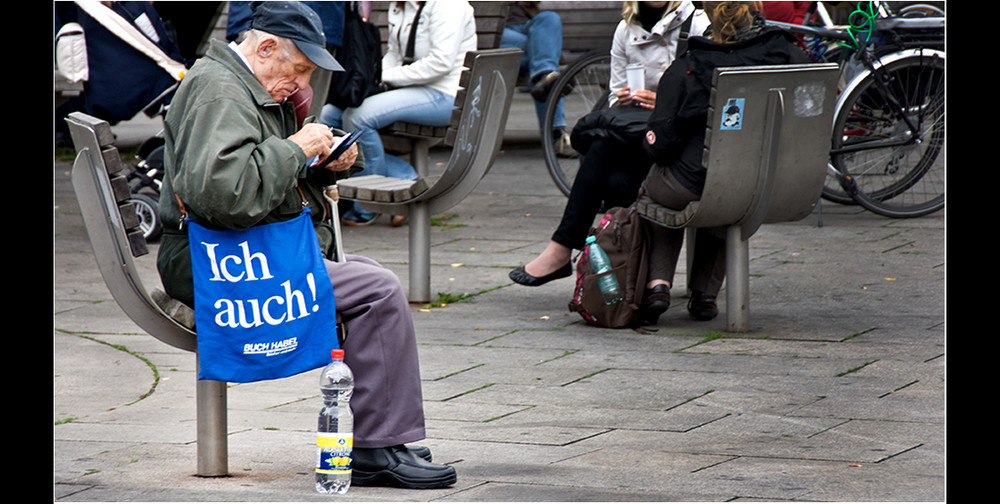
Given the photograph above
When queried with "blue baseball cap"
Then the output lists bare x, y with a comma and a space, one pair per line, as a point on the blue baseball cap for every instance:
298, 23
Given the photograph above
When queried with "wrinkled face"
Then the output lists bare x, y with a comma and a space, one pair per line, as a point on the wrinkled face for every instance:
281, 68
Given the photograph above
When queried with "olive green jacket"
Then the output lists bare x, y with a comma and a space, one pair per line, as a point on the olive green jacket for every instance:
228, 157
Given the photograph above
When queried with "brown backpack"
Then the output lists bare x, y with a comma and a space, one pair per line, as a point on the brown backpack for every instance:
623, 236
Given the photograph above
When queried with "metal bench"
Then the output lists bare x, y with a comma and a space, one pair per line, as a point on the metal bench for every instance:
113, 228
475, 136
769, 169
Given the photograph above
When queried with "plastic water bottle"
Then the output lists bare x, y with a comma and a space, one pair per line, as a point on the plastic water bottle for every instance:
611, 292
335, 435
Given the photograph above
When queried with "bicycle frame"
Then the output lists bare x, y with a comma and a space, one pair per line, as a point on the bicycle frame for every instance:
875, 65
864, 53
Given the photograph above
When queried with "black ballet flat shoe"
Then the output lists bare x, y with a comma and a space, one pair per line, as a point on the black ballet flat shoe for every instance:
398, 466
655, 301
522, 277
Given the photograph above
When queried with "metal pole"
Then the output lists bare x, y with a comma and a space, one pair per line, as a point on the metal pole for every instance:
420, 232
737, 280
213, 457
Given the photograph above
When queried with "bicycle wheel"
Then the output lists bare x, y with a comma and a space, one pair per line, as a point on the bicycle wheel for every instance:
581, 88
894, 170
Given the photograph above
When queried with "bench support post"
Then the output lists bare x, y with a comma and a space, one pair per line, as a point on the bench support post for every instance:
737, 280
213, 447
420, 252
420, 231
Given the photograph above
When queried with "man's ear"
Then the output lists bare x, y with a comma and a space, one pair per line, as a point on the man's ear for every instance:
266, 47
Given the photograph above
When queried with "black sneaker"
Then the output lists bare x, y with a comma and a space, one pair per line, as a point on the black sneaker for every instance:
542, 84
702, 306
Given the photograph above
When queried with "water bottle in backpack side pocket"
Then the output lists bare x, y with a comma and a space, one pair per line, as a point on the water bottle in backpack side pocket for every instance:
335, 433
611, 292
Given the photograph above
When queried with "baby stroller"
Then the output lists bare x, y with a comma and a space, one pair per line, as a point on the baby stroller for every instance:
128, 63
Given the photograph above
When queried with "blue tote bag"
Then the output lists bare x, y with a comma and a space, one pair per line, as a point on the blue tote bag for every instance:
264, 306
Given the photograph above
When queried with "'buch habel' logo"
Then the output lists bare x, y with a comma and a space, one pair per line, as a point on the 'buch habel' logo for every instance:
271, 348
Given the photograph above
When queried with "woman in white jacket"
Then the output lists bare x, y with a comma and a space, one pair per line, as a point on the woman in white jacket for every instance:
421, 90
610, 172
646, 37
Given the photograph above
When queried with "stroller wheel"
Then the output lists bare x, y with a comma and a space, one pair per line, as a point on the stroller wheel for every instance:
149, 220
148, 146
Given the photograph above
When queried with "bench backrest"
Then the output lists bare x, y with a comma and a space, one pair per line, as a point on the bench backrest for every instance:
476, 131
490, 19
112, 226
586, 26
767, 163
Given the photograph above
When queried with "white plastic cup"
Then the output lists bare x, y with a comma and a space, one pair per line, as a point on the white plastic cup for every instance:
635, 75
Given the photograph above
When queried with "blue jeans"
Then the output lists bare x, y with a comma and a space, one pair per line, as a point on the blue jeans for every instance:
541, 40
417, 104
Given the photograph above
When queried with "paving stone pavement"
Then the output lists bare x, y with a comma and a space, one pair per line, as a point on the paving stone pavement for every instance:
836, 394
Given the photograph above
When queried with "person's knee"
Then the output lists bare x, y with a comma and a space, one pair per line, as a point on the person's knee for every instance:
547, 19
362, 117
384, 285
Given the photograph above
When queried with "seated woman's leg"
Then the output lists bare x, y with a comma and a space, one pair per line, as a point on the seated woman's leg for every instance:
610, 175
708, 268
418, 105
665, 189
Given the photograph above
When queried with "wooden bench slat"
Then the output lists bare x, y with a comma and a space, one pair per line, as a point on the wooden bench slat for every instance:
137, 243
130, 216
120, 188
382, 189
112, 160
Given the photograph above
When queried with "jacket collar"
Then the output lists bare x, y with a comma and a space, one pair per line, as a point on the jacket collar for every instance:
673, 20
221, 52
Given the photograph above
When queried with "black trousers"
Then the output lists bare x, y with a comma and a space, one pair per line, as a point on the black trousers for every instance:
610, 175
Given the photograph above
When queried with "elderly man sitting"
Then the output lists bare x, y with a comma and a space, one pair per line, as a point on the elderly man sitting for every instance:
235, 158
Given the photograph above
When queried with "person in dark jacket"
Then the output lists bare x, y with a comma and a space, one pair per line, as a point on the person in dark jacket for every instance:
235, 157
675, 141
613, 167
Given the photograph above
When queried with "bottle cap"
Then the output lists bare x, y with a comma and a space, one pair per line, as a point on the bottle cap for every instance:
337, 353
591, 239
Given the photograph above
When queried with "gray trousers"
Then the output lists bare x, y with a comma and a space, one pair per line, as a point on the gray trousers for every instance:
381, 350
708, 268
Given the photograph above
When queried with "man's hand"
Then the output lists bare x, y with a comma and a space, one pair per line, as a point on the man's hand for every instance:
345, 161
315, 140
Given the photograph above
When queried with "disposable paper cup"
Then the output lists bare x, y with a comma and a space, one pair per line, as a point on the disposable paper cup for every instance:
635, 74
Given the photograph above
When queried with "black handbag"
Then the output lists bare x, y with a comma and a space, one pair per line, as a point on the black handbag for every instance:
624, 124
361, 56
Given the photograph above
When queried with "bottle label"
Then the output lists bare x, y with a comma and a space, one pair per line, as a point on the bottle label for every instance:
333, 452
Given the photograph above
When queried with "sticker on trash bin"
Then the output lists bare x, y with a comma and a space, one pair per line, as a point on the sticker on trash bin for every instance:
732, 114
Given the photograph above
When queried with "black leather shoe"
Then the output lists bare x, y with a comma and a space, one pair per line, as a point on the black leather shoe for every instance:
702, 306
421, 451
400, 467
522, 277
655, 301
